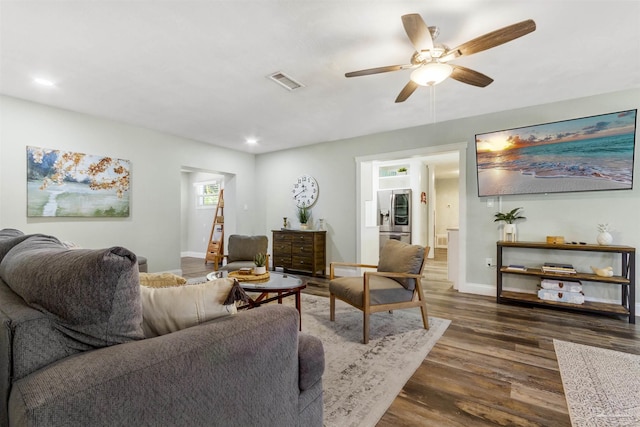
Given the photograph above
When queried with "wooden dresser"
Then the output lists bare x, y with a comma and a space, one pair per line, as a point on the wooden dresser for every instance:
300, 250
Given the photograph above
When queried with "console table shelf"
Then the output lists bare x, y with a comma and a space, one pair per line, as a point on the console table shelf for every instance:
626, 280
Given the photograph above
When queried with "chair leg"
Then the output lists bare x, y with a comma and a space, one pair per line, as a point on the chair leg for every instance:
365, 325
425, 318
423, 307
332, 307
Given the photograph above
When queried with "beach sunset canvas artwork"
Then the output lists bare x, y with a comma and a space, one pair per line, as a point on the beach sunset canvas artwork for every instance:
586, 154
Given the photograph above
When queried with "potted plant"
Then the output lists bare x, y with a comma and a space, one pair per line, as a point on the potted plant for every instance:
402, 171
260, 260
304, 214
509, 230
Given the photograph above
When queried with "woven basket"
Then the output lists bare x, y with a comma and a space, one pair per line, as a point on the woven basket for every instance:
254, 278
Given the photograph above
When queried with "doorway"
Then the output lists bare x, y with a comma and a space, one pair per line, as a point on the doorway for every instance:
197, 209
442, 164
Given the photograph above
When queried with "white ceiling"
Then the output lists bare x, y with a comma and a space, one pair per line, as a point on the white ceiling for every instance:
198, 69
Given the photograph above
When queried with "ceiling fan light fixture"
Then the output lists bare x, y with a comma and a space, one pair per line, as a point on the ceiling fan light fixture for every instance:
431, 74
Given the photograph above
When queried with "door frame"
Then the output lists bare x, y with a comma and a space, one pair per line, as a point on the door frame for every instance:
362, 186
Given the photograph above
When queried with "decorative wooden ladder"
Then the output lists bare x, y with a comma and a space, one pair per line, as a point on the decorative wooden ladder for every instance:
215, 248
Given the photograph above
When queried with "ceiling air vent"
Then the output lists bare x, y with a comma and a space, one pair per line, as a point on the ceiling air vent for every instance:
285, 81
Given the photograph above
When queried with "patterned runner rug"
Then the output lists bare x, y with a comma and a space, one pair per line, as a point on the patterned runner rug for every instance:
361, 381
602, 386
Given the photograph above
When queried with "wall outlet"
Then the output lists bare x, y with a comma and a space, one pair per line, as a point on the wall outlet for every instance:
489, 262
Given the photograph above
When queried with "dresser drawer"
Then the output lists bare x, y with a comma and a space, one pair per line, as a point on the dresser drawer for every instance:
302, 238
281, 238
301, 249
281, 248
301, 263
282, 261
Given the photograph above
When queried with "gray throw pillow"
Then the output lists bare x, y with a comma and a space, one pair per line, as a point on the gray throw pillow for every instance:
92, 295
400, 257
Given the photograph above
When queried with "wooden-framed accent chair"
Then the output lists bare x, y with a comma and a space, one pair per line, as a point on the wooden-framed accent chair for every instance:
396, 284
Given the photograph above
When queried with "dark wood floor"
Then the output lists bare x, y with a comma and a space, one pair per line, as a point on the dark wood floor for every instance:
495, 365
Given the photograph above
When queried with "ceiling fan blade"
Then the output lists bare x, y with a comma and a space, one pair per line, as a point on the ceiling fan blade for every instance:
377, 70
406, 91
471, 77
417, 31
496, 38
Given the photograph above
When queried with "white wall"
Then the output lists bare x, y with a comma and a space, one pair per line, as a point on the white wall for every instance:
153, 228
333, 165
446, 204
263, 183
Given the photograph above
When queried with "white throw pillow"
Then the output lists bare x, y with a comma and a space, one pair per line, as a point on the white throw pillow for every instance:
171, 309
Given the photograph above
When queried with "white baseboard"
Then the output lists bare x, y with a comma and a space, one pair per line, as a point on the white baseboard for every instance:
193, 254
477, 288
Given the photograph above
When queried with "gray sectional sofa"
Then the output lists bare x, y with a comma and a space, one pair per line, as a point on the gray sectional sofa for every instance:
72, 350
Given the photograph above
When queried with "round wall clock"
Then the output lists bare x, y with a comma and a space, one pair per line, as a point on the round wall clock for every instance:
305, 191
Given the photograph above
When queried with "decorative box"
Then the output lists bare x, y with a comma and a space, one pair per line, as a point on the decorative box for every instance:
561, 296
561, 285
555, 239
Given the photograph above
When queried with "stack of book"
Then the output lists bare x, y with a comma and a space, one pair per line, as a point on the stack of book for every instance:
554, 267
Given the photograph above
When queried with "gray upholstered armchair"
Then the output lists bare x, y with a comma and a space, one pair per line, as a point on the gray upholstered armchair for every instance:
242, 250
395, 285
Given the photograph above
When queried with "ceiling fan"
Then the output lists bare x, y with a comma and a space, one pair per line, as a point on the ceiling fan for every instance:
430, 61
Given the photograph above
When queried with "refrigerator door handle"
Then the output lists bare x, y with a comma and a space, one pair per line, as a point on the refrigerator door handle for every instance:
392, 218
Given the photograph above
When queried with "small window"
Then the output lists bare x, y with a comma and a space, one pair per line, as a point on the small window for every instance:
207, 194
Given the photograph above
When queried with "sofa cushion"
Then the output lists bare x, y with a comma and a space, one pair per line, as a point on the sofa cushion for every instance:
170, 309
382, 290
10, 237
237, 265
92, 296
400, 257
34, 339
161, 280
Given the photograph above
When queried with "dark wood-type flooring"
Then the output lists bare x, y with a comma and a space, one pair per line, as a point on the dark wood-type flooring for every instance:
495, 365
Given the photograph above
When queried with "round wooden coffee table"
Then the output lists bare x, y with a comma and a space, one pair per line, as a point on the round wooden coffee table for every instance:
282, 284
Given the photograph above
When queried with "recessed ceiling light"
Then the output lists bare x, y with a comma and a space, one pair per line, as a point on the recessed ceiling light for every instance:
252, 141
44, 82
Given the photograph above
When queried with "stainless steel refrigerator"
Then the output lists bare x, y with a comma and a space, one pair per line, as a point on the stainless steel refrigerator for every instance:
394, 215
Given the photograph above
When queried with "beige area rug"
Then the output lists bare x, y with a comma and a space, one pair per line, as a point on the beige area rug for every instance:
602, 386
361, 381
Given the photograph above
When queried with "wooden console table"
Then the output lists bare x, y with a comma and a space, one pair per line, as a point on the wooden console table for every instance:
627, 279
300, 250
